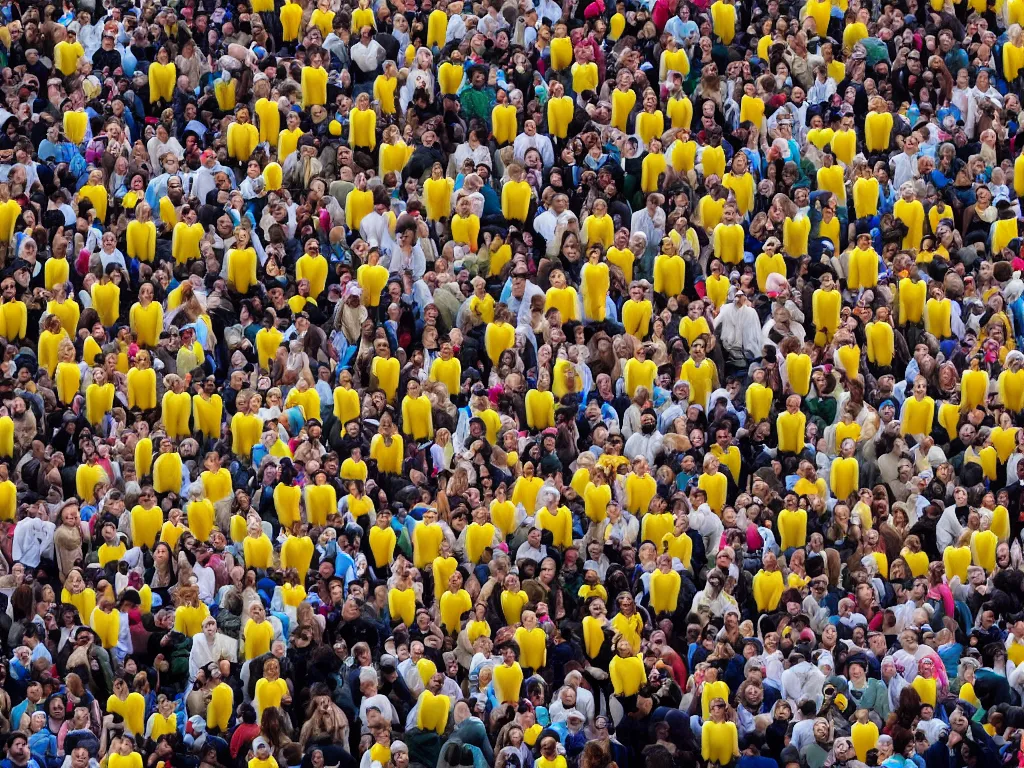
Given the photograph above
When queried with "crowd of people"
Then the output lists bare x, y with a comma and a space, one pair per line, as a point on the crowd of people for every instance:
511, 383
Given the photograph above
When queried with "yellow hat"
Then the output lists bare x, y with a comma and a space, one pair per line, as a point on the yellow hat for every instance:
335, 128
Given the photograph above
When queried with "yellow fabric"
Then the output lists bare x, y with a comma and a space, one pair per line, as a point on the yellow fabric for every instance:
844, 478
185, 240
790, 427
242, 141
362, 128
973, 389
268, 116
441, 567
742, 188
218, 714
452, 607
65, 58
938, 318
357, 205
653, 166
98, 196
701, 378
321, 502
314, 84
561, 53
623, 103
665, 591
501, 336
865, 735
533, 648
627, 675
258, 637
585, 77
504, 120
297, 553
593, 637
723, 21
525, 492
798, 367
133, 710
478, 538
162, 79
680, 114
881, 343
269, 692
636, 317
596, 499
394, 157
796, 235
106, 626
432, 714
426, 543
719, 742
508, 681
291, 17
728, 243
768, 588
715, 486
912, 214
765, 265
956, 560
1011, 389
515, 200
512, 604
245, 431
401, 602
560, 525
466, 230
437, 195
849, 358
983, 549
669, 274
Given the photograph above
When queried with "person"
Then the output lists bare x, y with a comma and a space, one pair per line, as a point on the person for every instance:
468, 360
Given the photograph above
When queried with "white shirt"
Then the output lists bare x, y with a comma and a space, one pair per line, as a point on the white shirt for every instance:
904, 168
374, 230
541, 143
158, 149
106, 259
203, 181
480, 155
456, 29
649, 446
124, 645
584, 704
741, 327
526, 552
381, 702
549, 9
367, 57
546, 225
33, 540
949, 530
490, 25
203, 652
206, 580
